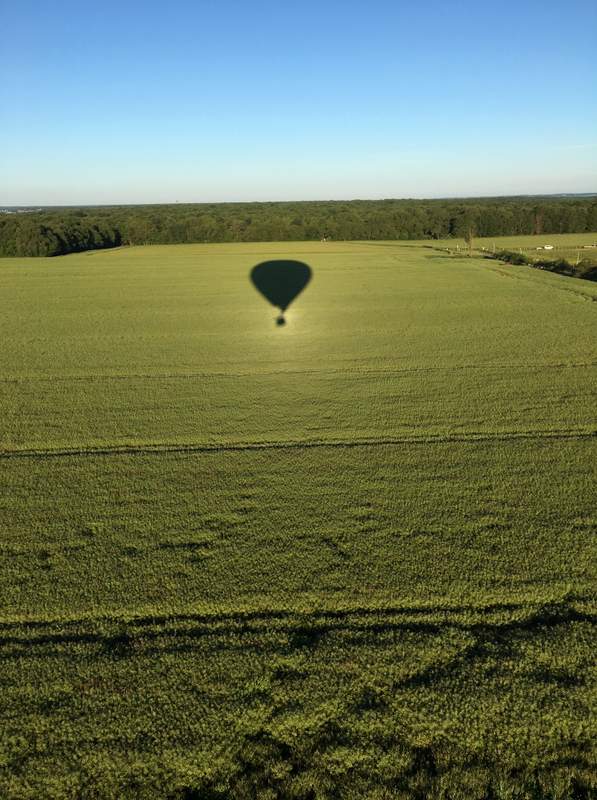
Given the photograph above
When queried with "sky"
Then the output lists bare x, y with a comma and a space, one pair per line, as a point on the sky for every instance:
222, 100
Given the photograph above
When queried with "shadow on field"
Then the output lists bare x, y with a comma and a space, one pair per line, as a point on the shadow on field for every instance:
280, 282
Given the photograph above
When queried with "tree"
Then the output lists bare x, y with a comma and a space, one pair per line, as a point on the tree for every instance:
469, 235
54, 232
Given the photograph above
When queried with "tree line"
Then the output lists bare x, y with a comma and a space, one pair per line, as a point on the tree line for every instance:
57, 231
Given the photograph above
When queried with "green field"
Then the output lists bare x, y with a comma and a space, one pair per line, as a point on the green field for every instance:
573, 247
349, 557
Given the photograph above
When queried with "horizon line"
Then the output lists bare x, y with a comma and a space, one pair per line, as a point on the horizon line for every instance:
43, 206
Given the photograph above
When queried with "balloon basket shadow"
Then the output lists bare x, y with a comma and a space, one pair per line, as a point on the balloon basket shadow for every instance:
281, 320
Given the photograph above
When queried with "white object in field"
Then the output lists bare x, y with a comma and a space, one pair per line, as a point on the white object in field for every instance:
548, 247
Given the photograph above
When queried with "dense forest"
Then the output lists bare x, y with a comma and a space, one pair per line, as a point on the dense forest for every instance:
56, 231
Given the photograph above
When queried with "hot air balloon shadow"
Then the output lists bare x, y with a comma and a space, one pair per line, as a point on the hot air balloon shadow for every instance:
280, 282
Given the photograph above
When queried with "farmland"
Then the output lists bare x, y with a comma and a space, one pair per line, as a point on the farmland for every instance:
578, 253
352, 556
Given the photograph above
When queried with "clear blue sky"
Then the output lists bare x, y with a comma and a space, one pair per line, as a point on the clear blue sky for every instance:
194, 100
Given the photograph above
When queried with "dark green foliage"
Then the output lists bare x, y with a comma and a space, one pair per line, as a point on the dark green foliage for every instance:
511, 257
67, 230
54, 233
585, 269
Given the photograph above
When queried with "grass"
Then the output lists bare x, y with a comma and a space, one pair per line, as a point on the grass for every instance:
563, 241
349, 557
575, 248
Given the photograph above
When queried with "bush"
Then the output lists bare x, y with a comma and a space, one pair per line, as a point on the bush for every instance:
584, 269
511, 257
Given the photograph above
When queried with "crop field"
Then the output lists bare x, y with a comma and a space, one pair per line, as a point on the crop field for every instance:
352, 556
573, 247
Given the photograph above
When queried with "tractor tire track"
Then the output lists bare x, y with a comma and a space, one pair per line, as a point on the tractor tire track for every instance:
191, 447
